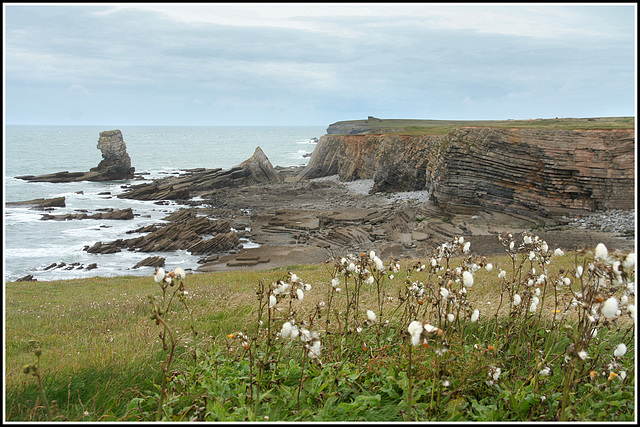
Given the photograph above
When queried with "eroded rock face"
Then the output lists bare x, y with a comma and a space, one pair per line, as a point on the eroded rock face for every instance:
526, 171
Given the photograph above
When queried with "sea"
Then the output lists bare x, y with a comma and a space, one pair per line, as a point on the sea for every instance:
32, 245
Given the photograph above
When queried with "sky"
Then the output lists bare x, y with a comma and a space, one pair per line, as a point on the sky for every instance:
315, 63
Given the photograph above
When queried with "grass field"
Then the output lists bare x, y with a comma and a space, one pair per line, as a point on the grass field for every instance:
441, 127
102, 354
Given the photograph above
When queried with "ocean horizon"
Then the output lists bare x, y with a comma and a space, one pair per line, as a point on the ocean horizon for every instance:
32, 244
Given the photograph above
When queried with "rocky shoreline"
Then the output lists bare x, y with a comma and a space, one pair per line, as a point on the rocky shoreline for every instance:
254, 216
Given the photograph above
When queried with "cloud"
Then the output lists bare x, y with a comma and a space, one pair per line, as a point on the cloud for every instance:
151, 61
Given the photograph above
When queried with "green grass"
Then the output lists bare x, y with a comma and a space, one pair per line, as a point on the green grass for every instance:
101, 354
442, 127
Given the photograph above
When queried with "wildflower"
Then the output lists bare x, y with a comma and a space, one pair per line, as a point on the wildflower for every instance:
372, 254
532, 256
294, 277
395, 267
314, 350
446, 383
335, 282
466, 247
305, 335
369, 280
622, 375
582, 354
541, 279
620, 350
307, 287
609, 308
511, 246
516, 299
579, 271
299, 294
545, 371
566, 281
601, 252
467, 279
544, 248
494, 374
287, 327
502, 274
159, 276
430, 328
444, 292
475, 315
488, 267
558, 252
632, 311
593, 374
272, 301
450, 317
612, 375
624, 299
415, 330
533, 307
179, 273
527, 240
378, 263
371, 315
351, 267
629, 261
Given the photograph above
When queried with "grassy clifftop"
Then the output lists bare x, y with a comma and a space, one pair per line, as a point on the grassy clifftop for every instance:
374, 125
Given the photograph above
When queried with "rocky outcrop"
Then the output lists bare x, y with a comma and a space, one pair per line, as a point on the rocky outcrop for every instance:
56, 202
255, 170
185, 231
152, 261
109, 214
115, 164
525, 171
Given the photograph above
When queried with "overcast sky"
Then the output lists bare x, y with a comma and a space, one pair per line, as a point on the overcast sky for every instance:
315, 64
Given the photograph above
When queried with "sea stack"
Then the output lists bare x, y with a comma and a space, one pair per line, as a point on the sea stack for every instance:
115, 164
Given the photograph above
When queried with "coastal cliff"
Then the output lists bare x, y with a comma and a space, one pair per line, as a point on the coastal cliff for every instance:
537, 171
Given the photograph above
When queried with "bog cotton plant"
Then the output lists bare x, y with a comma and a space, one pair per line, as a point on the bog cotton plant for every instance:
549, 331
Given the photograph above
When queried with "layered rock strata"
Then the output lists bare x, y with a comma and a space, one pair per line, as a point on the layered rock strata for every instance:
550, 172
115, 164
184, 231
526, 171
